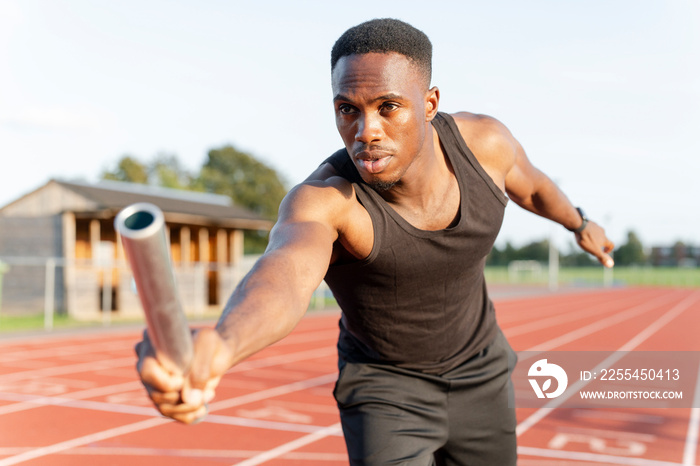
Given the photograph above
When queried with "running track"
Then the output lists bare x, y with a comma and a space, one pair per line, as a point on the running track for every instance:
74, 400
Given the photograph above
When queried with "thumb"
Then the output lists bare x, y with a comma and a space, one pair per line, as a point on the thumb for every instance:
203, 376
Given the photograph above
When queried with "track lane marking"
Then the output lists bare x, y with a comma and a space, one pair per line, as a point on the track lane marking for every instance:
181, 453
668, 316
131, 361
129, 386
291, 446
596, 326
68, 397
81, 441
592, 457
272, 392
551, 321
691, 438
154, 422
150, 412
581, 306
67, 369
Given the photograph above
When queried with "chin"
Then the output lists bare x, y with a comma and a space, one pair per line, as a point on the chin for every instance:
381, 185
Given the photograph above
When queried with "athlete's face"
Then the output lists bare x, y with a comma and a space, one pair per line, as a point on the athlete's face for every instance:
382, 111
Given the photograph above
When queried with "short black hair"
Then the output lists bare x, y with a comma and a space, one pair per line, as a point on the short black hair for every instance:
383, 36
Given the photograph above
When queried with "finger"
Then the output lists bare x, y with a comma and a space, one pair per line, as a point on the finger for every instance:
191, 413
598, 252
609, 246
160, 398
192, 417
155, 377
183, 412
607, 261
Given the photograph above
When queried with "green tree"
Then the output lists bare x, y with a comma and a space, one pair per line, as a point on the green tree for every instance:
576, 258
496, 257
128, 169
632, 252
167, 171
248, 182
535, 251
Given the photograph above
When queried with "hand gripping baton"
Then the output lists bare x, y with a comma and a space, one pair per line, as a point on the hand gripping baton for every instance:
142, 228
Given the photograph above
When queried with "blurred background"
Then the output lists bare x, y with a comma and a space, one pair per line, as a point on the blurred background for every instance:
228, 104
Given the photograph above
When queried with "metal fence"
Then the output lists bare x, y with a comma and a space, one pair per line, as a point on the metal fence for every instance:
98, 290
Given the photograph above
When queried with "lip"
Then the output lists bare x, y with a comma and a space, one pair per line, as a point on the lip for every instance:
373, 161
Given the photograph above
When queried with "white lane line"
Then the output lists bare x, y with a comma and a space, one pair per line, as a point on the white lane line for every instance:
62, 351
150, 412
594, 327
671, 314
323, 458
184, 453
272, 392
68, 369
80, 441
130, 386
291, 446
592, 457
131, 361
149, 423
562, 318
37, 400
283, 359
691, 438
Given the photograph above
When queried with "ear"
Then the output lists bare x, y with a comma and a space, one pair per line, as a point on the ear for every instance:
432, 98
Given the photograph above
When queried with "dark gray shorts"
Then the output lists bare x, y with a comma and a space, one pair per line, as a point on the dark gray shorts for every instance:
465, 417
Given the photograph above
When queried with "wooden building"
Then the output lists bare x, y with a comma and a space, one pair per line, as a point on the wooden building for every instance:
63, 252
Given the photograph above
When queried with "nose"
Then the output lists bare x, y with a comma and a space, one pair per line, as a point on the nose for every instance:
369, 129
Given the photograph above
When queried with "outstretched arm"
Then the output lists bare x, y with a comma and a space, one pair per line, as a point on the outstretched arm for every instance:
533, 190
264, 308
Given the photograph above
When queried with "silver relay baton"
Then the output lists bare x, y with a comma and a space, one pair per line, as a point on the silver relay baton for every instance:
142, 229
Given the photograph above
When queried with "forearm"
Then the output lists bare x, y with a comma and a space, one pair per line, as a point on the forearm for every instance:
548, 201
273, 297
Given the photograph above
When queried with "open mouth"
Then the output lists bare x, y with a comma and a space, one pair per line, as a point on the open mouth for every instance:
375, 165
373, 161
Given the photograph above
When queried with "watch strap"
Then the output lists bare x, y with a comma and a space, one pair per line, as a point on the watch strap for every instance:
584, 221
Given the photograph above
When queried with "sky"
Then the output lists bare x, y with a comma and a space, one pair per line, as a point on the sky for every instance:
603, 95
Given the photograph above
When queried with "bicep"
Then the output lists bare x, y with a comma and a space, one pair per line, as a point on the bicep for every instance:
304, 235
523, 180
303, 249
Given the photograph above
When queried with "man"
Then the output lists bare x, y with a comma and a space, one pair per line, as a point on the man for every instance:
399, 224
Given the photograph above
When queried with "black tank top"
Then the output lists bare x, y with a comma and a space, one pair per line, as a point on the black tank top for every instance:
419, 300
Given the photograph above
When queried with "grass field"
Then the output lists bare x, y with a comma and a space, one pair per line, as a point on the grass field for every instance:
596, 276
568, 277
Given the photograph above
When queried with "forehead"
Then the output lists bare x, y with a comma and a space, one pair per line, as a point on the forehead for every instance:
378, 72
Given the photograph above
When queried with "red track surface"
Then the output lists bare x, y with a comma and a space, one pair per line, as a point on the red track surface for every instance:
74, 400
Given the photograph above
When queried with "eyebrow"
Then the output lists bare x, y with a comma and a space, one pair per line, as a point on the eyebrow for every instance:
390, 96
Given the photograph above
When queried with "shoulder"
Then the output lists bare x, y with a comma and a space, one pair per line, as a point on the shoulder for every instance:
489, 139
323, 196
327, 199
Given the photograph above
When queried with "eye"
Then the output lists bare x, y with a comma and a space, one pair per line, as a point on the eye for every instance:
346, 109
389, 107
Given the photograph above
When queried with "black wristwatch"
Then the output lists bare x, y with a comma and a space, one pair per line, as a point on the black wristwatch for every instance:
583, 225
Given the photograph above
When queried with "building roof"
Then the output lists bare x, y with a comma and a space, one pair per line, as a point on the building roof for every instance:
108, 197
